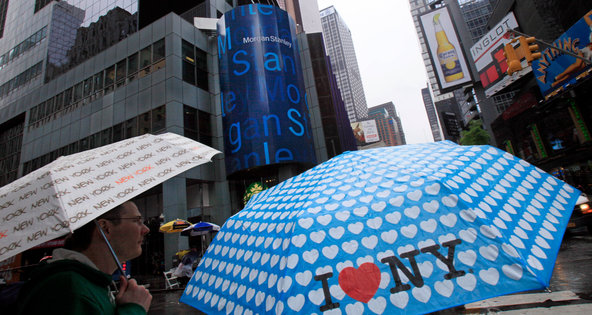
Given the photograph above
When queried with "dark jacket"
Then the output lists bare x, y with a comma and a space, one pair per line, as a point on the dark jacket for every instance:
70, 287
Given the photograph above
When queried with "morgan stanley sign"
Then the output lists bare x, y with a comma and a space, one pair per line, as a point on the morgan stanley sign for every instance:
264, 109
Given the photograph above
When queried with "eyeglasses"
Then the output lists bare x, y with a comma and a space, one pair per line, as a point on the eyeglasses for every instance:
139, 220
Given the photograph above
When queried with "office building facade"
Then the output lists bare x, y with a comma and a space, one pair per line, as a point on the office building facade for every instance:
388, 123
431, 113
340, 48
474, 15
75, 75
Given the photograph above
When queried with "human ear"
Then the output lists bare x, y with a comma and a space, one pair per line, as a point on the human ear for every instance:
104, 225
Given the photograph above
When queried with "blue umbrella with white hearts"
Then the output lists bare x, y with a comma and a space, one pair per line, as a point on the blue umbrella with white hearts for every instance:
407, 229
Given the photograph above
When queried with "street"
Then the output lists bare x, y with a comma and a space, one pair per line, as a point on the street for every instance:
571, 273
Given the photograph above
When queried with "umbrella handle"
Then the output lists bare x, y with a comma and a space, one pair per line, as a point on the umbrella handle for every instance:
119, 267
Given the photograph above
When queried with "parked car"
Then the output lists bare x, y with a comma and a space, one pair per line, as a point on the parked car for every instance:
582, 214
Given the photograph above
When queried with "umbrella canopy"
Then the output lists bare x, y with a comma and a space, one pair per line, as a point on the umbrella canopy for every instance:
200, 228
407, 229
73, 190
174, 226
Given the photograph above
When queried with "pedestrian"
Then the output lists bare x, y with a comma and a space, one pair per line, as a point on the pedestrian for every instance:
76, 279
186, 267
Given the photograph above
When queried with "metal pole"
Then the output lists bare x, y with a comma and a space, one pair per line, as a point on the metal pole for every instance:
567, 52
119, 267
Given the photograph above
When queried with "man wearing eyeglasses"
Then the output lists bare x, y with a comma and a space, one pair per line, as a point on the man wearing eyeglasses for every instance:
76, 280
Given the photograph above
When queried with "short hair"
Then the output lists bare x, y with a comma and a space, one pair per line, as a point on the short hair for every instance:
80, 239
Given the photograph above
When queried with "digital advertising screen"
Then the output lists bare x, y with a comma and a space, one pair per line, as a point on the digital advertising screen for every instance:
264, 108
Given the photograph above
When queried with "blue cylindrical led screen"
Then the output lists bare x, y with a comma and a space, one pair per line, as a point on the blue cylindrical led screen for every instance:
264, 110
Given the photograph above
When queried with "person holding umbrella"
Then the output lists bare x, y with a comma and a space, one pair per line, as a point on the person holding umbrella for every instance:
76, 279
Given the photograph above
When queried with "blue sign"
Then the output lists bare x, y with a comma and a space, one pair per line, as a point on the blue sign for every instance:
556, 70
264, 110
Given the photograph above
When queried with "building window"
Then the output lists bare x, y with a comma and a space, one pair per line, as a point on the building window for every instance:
158, 119
205, 127
11, 136
39, 4
188, 56
148, 59
195, 65
3, 8
158, 55
120, 73
201, 58
190, 122
197, 125
109, 79
145, 61
132, 66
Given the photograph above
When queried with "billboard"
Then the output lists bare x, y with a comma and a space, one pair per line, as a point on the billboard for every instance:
365, 132
556, 70
264, 111
445, 49
489, 59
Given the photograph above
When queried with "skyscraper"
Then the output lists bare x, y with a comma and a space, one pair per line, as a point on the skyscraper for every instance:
340, 48
388, 124
474, 14
431, 112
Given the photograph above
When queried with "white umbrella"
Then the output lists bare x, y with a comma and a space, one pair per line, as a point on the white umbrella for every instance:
73, 190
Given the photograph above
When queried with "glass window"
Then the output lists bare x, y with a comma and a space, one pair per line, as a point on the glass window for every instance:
205, 128
33, 115
73, 148
144, 123
158, 50
63, 151
202, 69
95, 140
106, 136
67, 97
158, 119
109, 78
59, 102
190, 122
187, 52
78, 92
98, 81
120, 75
145, 61
132, 65
53, 155
118, 132
145, 57
87, 89
131, 128
49, 107
84, 144
41, 110
188, 56
188, 72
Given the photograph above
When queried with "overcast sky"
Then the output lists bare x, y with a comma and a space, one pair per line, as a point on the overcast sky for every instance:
389, 58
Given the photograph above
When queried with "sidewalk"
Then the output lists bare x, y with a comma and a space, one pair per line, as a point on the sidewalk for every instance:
547, 303
165, 301
560, 302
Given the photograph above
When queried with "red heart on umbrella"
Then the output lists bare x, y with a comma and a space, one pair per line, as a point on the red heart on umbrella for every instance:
362, 283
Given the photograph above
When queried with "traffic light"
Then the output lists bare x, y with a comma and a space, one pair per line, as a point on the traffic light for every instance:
529, 49
512, 59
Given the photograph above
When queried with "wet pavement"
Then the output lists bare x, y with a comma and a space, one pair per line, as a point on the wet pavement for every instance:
573, 269
573, 272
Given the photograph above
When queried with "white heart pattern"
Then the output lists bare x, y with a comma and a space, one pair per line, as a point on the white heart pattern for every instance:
462, 216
